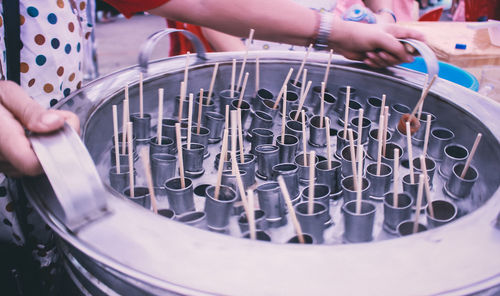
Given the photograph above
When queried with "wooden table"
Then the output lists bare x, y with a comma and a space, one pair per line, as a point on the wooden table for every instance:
480, 57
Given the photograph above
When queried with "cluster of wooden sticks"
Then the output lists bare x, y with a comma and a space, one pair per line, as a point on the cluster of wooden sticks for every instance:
408, 125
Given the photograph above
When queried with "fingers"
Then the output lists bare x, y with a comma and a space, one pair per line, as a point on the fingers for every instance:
15, 147
31, 115
392, 46
70, 118
9, 170
380, 59
17, 112
404, 33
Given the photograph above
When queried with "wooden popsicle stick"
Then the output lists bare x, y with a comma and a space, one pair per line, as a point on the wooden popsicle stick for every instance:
240, 137
310, 201
181, 100
302, 85
188, 54
360, 124
302, 99
423, 96
410, 152
130, 160
346, 111
304, 141
241, 188
419, 112
360, 179
327, 70
141, 96
243, 64
200, 111
427, 187
227, 116
427, 133
212, 83
221, 164
328, 145
379, 139
302, 64
322, 106
395, 195
179, 154
282, 90
419, 202
382, 106
234, 122
247, 205
251, 215
283, 119
125, 120
384, 134
353, 158
232, 78
190, 120
291, 210
245, 57
471, 155
149, 179
257, 74
243, 90
116, 140
159, 126
227, 127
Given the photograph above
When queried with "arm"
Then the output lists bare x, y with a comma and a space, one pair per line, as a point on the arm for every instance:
222, 42
287, 22
270, 19
17, 112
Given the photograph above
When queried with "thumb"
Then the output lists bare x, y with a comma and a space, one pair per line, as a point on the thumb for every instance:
31, 114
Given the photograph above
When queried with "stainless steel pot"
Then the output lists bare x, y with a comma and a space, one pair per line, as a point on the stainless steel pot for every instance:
116, 247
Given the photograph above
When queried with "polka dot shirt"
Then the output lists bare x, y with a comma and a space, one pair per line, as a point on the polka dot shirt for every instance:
52, 33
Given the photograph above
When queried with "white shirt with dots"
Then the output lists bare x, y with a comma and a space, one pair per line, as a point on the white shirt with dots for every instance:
52, 35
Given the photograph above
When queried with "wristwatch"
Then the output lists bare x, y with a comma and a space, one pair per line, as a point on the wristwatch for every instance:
323, 30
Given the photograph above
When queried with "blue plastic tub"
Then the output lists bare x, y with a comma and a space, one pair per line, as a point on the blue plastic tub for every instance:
448, 72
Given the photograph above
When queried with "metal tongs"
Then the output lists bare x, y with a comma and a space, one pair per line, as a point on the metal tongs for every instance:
426, 53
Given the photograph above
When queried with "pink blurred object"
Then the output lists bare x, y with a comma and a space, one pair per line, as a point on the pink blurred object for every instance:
459, 15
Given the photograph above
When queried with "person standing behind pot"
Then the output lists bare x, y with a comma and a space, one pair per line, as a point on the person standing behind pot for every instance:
285, 21
356, 10
41, 45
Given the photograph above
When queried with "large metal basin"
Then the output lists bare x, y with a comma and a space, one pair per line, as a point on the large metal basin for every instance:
131, 251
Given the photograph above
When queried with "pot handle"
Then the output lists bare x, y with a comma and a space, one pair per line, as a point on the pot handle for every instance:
430, 59
78, 195
147, 47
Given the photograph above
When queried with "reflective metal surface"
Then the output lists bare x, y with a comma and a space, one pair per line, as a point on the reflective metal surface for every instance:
134, 252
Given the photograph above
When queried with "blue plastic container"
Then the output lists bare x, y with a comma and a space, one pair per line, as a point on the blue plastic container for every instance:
448, 72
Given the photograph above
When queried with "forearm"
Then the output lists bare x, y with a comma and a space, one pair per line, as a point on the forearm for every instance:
277, 20
221, 41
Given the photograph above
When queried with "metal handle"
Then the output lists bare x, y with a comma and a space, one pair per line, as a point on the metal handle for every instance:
147, 47
79, 193
430, 59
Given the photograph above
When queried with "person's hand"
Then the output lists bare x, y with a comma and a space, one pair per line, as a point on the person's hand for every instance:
374, 44
17, 113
